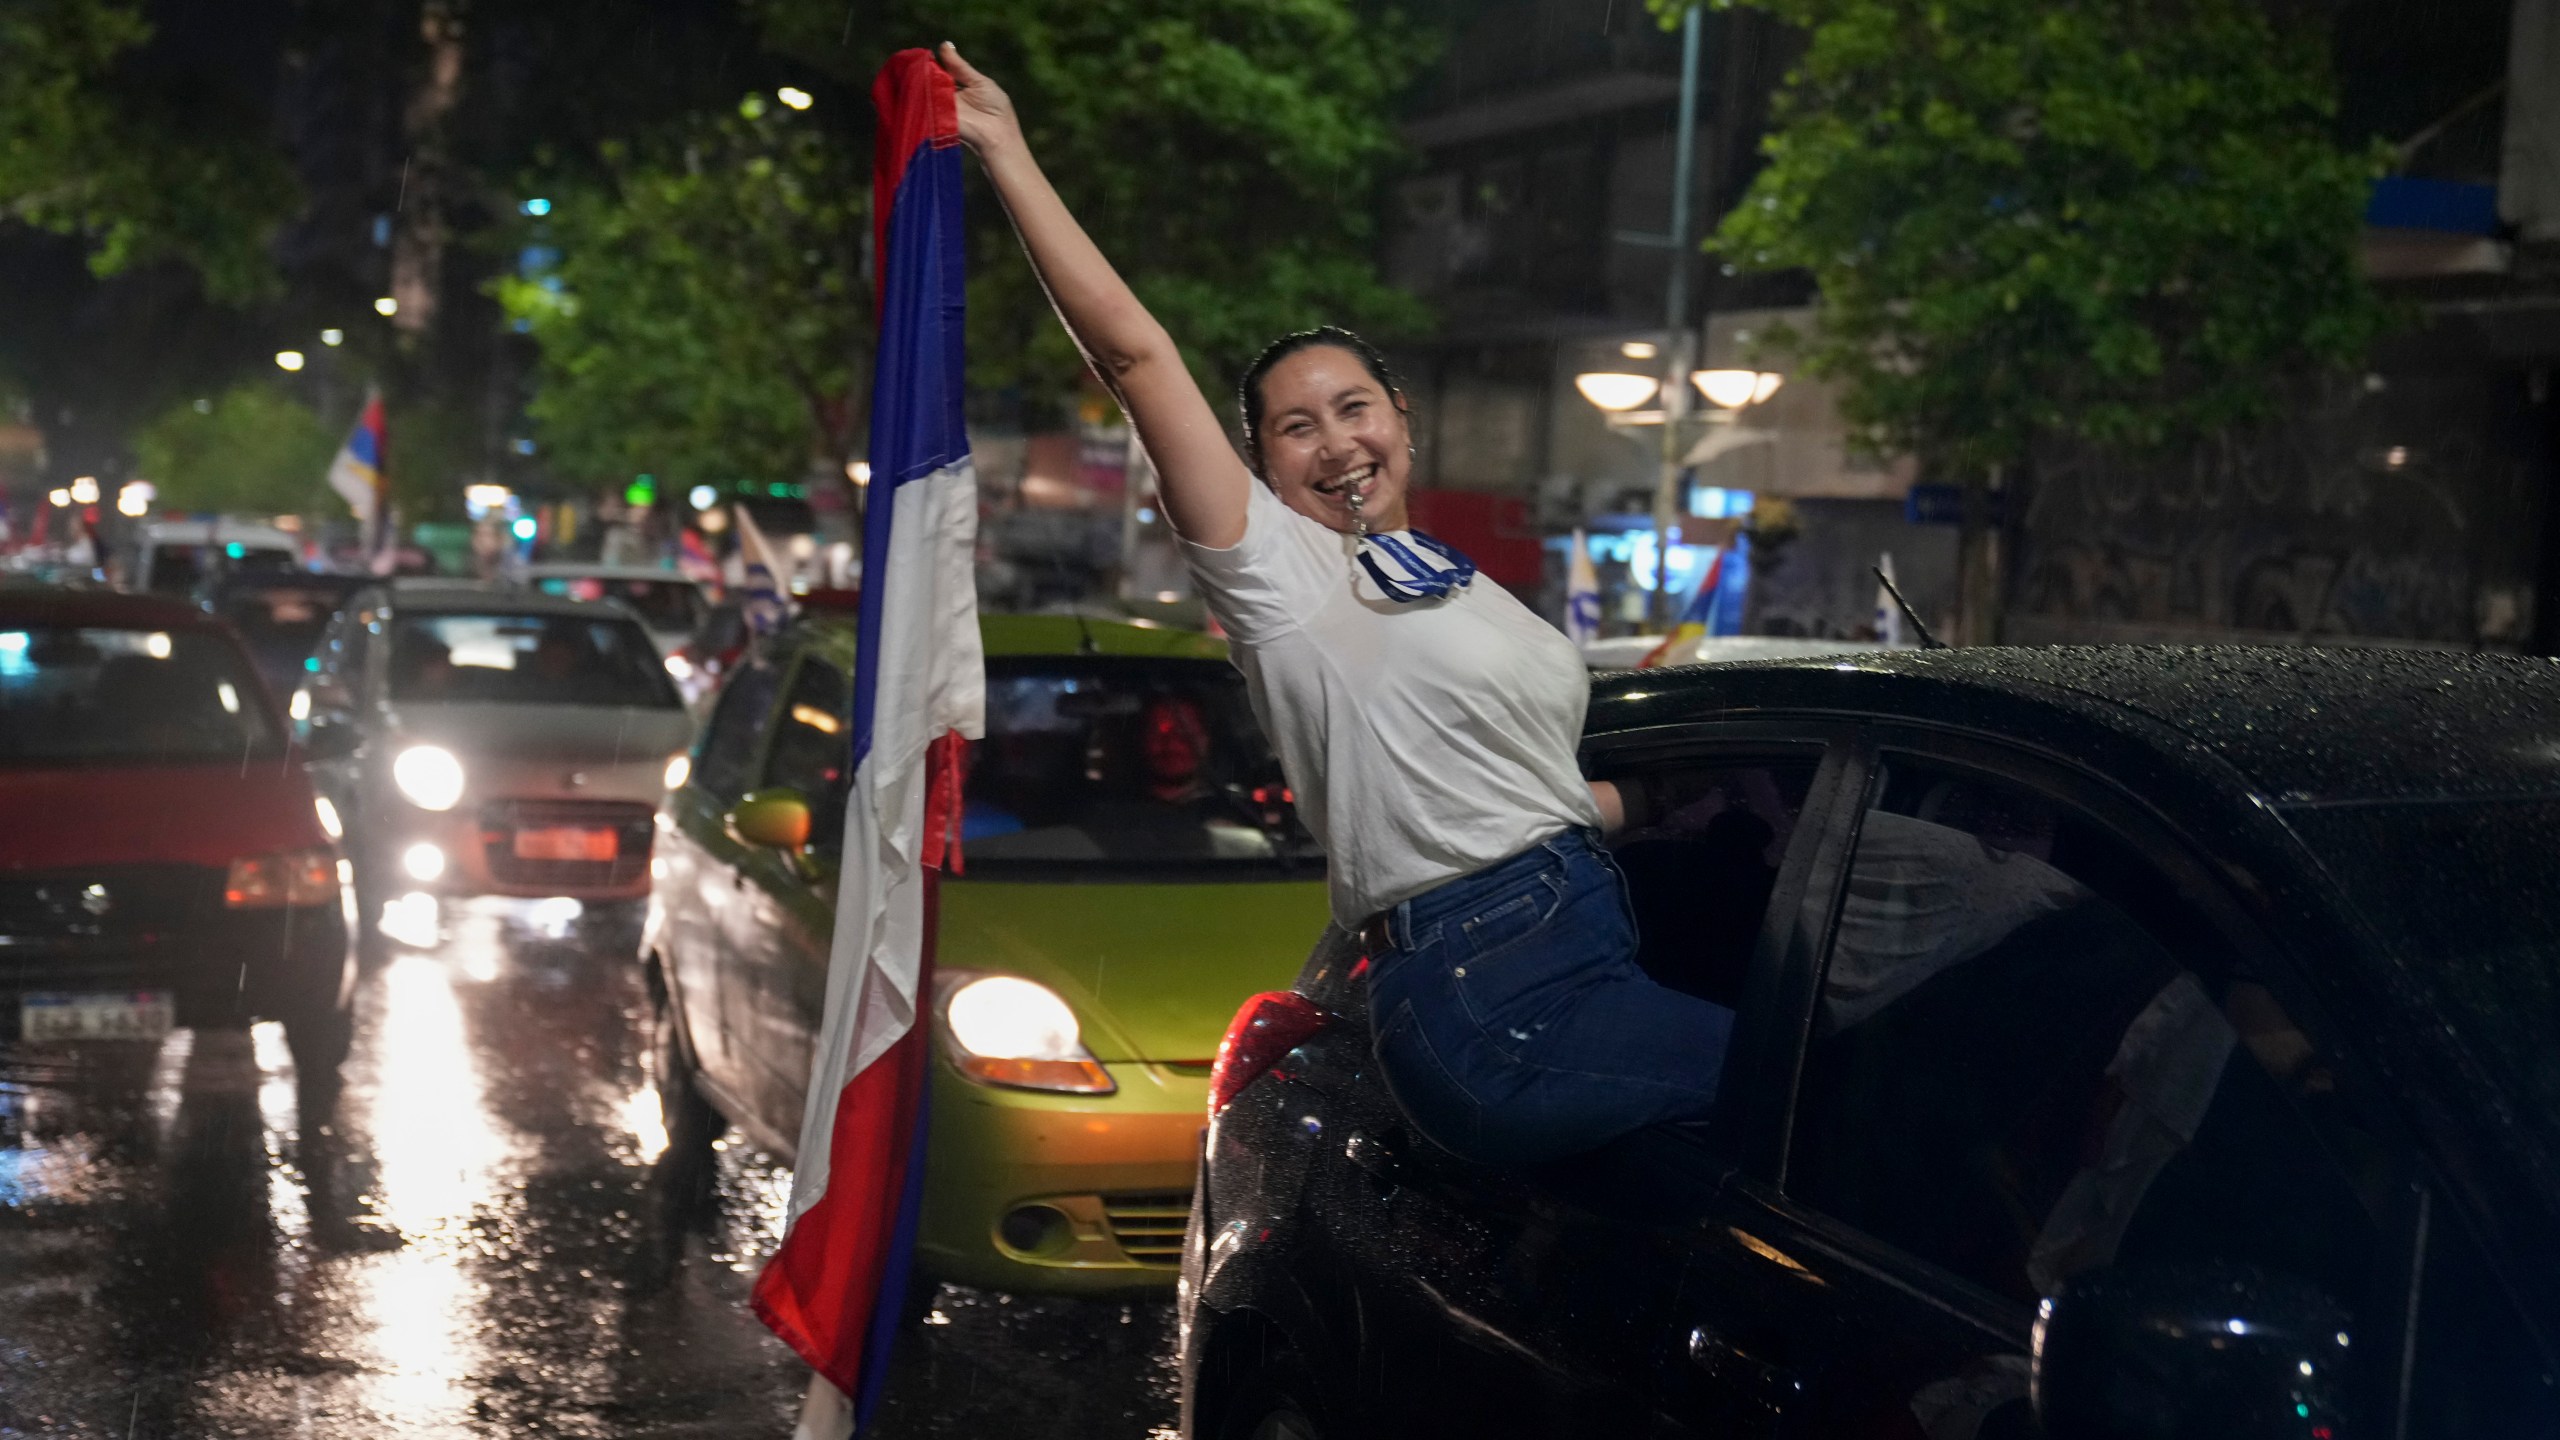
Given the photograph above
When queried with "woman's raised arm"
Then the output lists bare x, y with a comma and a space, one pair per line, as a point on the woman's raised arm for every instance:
1203, 484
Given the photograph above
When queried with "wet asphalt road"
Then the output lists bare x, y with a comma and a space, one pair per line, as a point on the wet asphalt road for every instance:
482, 1239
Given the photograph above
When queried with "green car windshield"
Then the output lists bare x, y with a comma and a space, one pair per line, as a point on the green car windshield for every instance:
1122, 763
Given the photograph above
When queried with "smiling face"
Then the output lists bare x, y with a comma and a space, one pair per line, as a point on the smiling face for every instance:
1327, 425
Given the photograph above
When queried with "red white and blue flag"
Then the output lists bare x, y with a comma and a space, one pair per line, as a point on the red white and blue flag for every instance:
833, 1290
356, 473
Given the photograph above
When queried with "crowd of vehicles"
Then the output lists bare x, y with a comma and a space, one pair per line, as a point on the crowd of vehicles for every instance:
2131, 1043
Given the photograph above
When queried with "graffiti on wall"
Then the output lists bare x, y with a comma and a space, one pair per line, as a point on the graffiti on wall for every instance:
2397, 509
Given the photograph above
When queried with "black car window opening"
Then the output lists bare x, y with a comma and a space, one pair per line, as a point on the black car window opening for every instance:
1702, 864
82, 694
2467, 893
1125, 762
812, 749
2012, 1078
526, 659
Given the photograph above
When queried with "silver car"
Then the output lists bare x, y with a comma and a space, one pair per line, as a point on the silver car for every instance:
479, 745
668, 603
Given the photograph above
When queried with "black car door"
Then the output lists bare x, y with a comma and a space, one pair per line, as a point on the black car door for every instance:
2035, 1044
1503, 1302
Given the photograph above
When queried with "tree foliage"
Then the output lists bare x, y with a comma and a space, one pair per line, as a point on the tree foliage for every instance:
2124, 221
699, 308
141, 168
254, 450
1226, 155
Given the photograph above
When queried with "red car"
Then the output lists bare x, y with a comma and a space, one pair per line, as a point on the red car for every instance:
163, 861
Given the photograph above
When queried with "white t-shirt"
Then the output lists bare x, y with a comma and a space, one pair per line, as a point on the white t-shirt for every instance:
1425, 740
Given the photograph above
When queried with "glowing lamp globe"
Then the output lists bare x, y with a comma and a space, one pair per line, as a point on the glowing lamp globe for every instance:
1615, 392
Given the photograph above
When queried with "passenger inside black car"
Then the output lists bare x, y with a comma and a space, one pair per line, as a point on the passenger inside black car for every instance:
2013, 1078
2008, 1076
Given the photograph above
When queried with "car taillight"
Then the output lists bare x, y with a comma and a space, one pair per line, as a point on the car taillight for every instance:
1269, 1026
296, 877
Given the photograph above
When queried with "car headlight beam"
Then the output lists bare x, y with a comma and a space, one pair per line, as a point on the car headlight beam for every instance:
1005, 1030
429, 776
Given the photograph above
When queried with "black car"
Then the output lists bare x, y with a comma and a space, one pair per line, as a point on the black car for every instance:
2132, 1042
280, 616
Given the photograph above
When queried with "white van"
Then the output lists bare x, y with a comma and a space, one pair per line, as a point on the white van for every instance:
177, 557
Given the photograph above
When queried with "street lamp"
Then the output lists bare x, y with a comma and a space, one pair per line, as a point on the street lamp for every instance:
84, 491
1734, 389
1614, 391
61, 499
333, 338
288, 360
386, 307
793, 96
135, 498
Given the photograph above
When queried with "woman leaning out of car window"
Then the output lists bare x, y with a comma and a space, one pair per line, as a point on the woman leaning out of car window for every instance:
1427, 723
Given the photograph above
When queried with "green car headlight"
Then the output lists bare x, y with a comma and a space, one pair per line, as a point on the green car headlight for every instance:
1005, 1030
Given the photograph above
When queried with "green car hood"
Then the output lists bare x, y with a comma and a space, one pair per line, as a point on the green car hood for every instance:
1153, 971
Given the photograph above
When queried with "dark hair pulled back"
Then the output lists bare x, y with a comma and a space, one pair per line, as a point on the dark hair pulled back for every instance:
1249, 390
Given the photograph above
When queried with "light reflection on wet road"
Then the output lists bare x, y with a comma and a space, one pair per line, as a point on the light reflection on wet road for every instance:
477, 1243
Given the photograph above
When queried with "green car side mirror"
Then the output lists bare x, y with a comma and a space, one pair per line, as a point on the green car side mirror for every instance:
778, 818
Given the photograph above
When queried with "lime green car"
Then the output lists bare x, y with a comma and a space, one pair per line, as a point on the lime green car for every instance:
1133, 871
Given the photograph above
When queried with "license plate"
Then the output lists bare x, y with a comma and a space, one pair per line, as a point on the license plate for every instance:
567, 842
136, 1015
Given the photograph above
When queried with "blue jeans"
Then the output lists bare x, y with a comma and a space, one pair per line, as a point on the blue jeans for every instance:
1512, 1023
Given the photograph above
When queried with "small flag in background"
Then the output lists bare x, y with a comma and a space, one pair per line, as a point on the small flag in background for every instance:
1696, 622
761, 594
833, 1289
1888, 614
357, 475
1581, 595
694, 559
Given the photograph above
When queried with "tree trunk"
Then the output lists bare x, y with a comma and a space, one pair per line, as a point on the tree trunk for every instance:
421, 228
